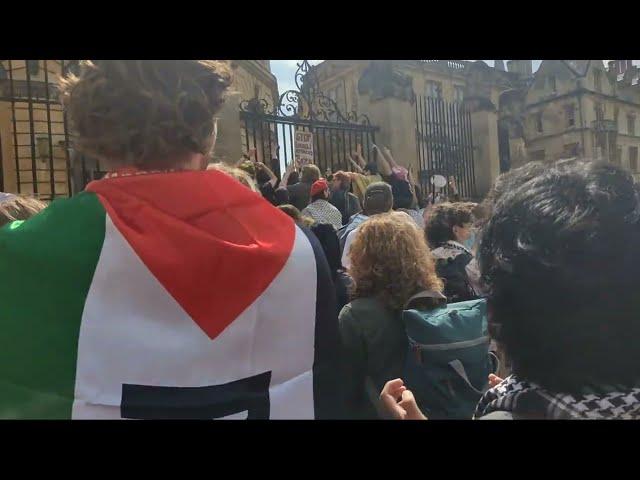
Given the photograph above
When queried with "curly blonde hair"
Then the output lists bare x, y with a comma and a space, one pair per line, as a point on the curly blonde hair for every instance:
390, 260
145, 113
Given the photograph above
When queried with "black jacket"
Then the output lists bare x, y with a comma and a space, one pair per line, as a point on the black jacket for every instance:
299, 195
347, 203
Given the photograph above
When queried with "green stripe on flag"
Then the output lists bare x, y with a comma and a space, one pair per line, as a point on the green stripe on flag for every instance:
46, 268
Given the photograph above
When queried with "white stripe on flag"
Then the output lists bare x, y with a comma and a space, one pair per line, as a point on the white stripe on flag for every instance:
134, 332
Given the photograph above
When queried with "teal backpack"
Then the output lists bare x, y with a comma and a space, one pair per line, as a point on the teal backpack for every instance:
448, 360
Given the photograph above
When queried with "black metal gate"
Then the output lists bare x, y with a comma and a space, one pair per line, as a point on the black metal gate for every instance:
36, 154
445, 144
270, 129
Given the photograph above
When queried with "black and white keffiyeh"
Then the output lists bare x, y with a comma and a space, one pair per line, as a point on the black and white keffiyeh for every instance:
323, 212
527, 400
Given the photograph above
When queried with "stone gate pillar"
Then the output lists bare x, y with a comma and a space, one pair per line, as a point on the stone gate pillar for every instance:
387, 98
486, 155
228, 146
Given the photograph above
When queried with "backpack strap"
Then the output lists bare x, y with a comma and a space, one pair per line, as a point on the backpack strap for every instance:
459, 369
425, 294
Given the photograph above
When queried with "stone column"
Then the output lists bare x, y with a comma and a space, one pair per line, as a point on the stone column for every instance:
486, 157
386, 96
396, 119
228, 146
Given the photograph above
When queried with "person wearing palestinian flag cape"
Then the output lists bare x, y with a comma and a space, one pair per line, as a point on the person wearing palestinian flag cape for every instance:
164, 290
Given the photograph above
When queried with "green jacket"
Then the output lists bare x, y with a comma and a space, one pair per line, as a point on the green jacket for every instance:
375, 345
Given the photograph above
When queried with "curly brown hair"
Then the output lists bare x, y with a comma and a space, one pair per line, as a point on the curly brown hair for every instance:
443, 217
390, 260
145, 113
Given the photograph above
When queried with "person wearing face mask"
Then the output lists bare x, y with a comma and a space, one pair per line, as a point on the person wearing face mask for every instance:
451, 235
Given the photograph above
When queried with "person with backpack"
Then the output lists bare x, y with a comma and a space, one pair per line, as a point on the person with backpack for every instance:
558, 259
390, 262
450, 233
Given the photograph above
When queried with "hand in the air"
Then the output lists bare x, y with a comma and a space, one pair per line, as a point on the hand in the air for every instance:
398, 402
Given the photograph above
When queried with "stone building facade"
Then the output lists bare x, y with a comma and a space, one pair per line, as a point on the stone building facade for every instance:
566, 108
570, 108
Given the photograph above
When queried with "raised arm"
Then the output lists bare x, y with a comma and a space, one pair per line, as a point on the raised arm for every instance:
285, 178
383, 164
273, 180
355, 165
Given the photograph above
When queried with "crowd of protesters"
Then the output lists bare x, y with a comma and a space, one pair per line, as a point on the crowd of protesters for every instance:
546, 261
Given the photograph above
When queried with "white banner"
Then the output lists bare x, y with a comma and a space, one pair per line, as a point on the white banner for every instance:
304, 147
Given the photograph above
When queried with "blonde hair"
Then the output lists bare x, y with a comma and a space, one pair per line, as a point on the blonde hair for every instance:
19, 207
240, 175
297, 216
390, 260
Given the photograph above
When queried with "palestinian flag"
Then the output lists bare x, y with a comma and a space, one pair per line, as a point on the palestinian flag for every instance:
169, 295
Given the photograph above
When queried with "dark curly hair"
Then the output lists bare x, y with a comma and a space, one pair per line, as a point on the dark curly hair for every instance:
443, 217
145, 113
560, 262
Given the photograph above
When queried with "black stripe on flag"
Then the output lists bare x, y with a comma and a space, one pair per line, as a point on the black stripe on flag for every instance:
147, 402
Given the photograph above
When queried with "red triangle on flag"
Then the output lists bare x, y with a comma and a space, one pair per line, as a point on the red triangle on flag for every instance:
211, 242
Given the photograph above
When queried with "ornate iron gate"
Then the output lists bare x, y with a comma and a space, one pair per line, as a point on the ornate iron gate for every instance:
445, 144
270, 129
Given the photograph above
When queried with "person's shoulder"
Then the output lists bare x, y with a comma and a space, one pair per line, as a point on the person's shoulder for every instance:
365, 307
61, 214
323, 229
497, 415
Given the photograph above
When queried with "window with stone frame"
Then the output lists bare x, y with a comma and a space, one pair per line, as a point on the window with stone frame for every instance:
633, 159
433, 89
570, 112
33, 67
617, 156
599, 110
597, 80
538, 122
631, 124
